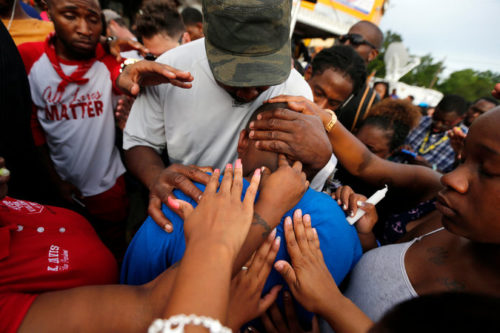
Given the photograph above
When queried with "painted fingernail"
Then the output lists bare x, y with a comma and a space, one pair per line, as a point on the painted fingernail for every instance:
277, 241
352, 214
339, 202
168, 228
217, 171
257, 172
251, 134
278, 266
272, 234
251, 125
237, 164
229, 166
288, 221
345, 207
360, 203
297, 213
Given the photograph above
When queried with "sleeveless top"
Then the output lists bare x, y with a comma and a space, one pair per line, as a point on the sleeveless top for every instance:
379, 280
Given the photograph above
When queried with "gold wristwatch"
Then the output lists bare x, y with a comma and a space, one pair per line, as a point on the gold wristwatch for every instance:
332, 122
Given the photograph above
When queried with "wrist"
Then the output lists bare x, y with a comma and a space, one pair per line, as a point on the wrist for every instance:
329, 119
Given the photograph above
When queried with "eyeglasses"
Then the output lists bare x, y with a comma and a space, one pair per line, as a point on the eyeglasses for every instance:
355, 39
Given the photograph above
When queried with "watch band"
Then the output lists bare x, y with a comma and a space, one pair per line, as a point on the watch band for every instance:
332, 122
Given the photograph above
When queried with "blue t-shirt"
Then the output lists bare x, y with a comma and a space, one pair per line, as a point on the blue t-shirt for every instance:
153, 250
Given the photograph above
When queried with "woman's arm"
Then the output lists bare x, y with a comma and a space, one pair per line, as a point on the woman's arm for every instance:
418, 183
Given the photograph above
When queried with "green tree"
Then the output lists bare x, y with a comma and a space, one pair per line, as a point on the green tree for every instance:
469, 84
425, 74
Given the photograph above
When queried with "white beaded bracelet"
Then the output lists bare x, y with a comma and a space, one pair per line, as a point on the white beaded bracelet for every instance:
176, 324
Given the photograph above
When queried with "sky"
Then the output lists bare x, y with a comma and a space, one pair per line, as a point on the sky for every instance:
463, 33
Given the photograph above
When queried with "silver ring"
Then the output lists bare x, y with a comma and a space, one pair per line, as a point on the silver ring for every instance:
244, 268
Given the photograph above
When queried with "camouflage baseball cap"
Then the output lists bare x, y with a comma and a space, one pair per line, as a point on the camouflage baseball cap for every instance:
247, 41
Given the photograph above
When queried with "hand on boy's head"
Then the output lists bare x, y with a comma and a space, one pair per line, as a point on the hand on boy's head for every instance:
284, 188
301, 137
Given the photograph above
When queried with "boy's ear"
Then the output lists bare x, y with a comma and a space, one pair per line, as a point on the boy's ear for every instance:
243, 141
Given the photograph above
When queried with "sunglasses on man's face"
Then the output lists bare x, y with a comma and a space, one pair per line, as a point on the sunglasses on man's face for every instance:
355, 40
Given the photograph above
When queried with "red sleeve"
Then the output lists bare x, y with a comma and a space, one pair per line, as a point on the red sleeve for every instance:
13, 309
31, 52
114, 70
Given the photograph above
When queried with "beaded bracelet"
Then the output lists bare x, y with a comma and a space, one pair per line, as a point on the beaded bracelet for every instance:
176, 324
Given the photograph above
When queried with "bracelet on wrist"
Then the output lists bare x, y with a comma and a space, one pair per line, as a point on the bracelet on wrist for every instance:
178, 322
332, 122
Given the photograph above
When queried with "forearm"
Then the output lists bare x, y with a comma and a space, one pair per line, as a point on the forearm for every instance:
144, 163
202, 282
421, 182
344, 316
118, 308
265, 219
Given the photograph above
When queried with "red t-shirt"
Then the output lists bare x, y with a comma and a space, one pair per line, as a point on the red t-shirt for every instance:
45, 248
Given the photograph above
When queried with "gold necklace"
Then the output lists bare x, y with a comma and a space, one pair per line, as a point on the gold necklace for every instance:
423, 151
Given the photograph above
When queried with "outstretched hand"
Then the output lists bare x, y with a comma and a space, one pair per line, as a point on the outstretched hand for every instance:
308, 277
221, 217
149, 73
245, 301
125, 44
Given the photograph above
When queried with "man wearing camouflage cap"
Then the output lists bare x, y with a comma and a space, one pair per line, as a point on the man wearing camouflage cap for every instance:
244, 59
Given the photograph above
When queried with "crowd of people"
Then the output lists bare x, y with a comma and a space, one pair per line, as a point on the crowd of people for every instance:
177, 173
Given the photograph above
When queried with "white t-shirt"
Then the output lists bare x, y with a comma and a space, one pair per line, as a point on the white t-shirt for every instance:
79, 127
200, 125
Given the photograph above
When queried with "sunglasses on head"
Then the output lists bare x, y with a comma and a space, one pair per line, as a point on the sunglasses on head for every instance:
355, 40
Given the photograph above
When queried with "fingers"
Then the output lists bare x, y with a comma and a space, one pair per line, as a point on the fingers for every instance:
316, 240
277, 318
291, 242
264, 258
273, 123
238, 180
213, 183
308, 229
282, 161
154, 210
180, 207
290, 315
251, 192
227, 180
268, 324
184, 184
297, 165
266, 301
300, 233
276, 147
287, 272
279, 113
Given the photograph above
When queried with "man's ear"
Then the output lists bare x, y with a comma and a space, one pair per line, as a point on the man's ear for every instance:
243, 141
186, 38
373, 54
308, 73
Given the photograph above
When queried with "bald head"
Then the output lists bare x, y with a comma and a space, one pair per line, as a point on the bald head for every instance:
371, 33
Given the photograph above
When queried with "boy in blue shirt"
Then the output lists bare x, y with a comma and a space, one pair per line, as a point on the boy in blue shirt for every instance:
152, 250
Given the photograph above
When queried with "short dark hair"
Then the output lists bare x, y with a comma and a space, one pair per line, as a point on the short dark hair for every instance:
453, 103
344, 59
487, 99
396, 116
443, 312
191, 16
159, 16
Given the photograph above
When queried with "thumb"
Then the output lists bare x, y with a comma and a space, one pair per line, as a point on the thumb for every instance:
265, 173
268, 299
180, 207
286, 270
